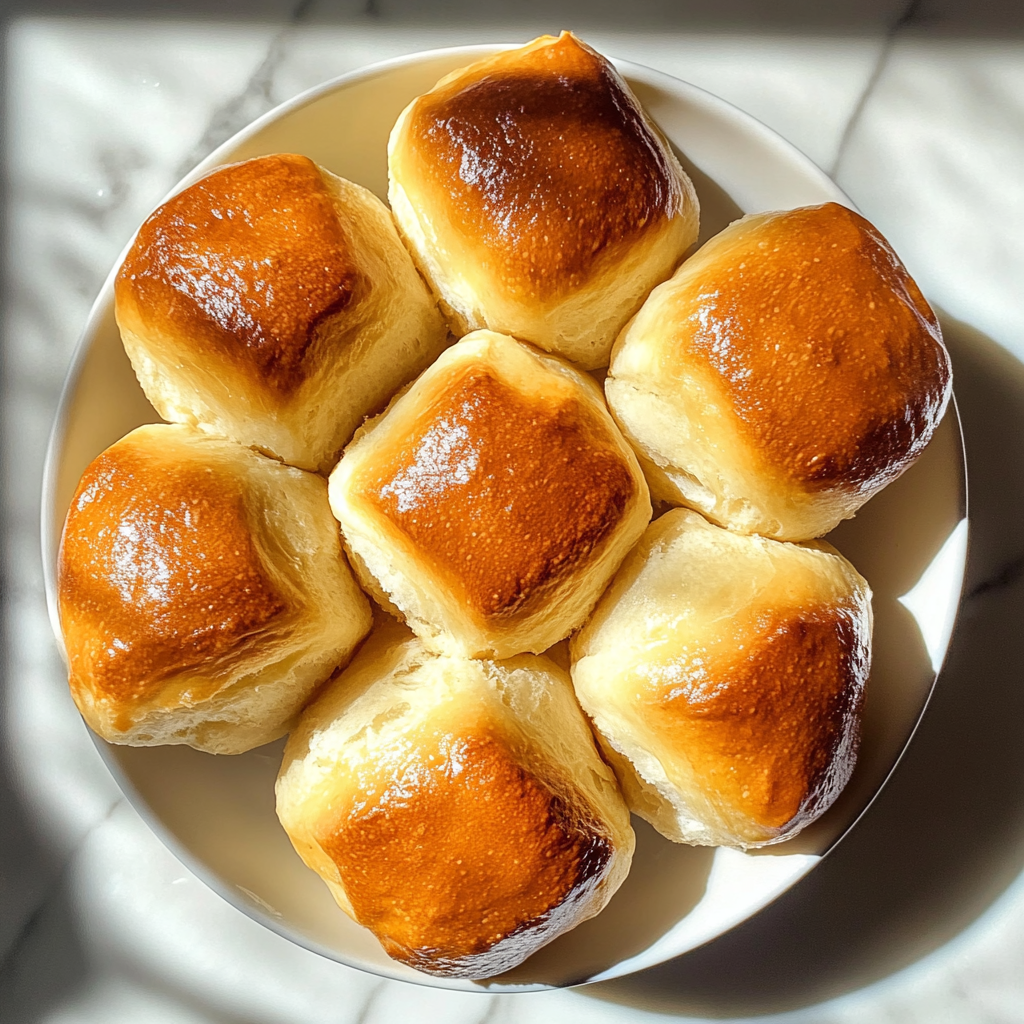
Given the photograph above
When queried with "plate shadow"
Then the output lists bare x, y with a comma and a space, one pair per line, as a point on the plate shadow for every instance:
945, 837
646, 906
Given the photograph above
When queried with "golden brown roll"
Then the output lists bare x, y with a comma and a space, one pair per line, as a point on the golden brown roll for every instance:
538, 198
456, 808
788, 371
492, 502
203, 592
274, 303
724, 675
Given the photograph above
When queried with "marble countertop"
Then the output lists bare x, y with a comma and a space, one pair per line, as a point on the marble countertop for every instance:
917, 111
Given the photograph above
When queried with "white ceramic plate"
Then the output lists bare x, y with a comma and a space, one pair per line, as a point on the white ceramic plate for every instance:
217, 813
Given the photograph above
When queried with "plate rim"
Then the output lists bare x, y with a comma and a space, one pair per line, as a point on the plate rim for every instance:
50, 531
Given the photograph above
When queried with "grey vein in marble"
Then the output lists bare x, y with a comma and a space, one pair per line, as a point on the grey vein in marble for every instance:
66, 237
10, 958
1008, 574
906, 18
252, 102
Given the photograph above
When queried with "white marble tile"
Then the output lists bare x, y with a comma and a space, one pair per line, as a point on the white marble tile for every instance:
102, 116
97, 123
973, 980
804, 88
94, 141
935, 160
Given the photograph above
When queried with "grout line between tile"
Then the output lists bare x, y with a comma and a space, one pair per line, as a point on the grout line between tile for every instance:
11, 955
255, 99
907, 16
495, 1003
371, 999
1008, 573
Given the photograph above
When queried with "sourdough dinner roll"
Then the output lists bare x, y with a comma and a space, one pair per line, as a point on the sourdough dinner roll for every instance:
538, 198
458, 809
788, 371
492, 502
724, 675
274, 303
203, 592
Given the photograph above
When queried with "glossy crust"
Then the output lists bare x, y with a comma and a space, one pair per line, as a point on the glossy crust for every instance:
273, 302
538, 199
788, 371
458, 809
491, 503
203, 592
725, 677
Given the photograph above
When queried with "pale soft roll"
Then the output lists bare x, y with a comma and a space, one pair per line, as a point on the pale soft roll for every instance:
459, 809
274, 303
203, 592
492, 501
724, 675
538, 198
787, 372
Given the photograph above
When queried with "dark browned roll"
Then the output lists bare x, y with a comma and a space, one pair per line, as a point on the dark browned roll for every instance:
538, 198
725, 677
203, 592
456, 808
274, 303
492, 501
788, 371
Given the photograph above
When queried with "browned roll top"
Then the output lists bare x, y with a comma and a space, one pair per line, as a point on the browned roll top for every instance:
158, 573
513, 855
248, 262
830, 355
768, 713
503, 494
545, 162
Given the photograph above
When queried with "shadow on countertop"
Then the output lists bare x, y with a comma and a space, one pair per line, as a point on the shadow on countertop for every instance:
946, 836
942, 842
996, 19
33, 914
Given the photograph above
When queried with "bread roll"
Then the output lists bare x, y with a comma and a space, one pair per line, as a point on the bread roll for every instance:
788, 371
458, 809
538, 198
725, 675
492, 502
203, 592
274, 303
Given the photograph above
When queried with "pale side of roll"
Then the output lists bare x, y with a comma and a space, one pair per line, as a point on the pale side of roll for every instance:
274, 303
458, 809
788, 371
538, 198
724, 675
203, 592
492, 501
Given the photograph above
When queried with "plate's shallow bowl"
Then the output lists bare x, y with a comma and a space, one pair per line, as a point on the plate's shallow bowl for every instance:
217, 813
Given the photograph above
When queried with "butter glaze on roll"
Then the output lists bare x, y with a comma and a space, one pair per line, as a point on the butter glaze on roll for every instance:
787, 372
458, 809
203, 592
538, 198
274, 303
491, 503
724, 675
